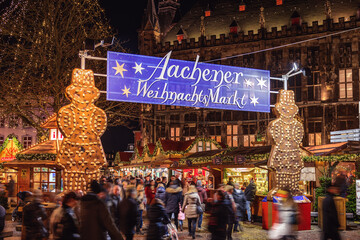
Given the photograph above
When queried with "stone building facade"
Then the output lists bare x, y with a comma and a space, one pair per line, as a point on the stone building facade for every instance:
277, 33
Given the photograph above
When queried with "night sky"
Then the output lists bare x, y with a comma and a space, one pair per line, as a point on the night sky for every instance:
125, 17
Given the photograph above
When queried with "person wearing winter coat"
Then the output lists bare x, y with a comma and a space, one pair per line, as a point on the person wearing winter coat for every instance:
173, 197
158, 219
229, 200
240, 201
141, 207
128, 209
113, 203
64, 223
33, 216
150, 191
160, 192
95, 219
250, 192
203, 198
219, 217
330, 216
284, 229
189, 207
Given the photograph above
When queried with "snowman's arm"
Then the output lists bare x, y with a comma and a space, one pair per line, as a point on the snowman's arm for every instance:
274, 132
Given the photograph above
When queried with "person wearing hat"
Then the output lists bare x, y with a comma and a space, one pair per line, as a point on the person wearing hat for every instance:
95, 218
64, 223
33, 216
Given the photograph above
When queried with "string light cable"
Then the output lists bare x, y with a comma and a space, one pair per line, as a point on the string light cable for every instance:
285, 45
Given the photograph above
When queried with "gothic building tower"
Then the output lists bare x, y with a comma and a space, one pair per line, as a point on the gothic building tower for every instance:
149, 34
168, 10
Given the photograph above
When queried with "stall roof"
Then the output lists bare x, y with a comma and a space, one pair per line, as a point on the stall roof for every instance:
40, 148
332, 148
125, 156
50, 122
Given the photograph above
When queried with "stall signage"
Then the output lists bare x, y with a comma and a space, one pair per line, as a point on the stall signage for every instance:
358, 197
166, 81
9, 152
217, 161
239, 160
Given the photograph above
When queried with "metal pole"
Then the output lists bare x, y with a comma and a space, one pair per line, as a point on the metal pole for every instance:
285, 77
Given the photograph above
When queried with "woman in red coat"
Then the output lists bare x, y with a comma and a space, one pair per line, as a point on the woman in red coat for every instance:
150, 191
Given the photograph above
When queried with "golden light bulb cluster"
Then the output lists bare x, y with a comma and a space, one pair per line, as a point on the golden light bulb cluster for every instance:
82, 124
287, 133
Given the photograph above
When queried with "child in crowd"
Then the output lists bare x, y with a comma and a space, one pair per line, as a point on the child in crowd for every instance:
181, 218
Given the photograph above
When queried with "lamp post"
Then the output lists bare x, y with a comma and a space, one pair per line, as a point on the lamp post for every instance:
89, 45
293, 72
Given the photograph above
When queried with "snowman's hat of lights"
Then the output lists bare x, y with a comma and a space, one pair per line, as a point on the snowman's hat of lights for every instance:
83, 78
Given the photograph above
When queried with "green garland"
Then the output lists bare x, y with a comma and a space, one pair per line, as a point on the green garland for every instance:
15, 140
158, 146
36, 156
332, 158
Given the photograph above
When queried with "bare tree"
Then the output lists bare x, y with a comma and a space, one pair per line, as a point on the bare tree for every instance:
39, 46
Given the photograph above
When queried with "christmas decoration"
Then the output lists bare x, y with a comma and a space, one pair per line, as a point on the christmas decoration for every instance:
82, 123
10, 147
286, 133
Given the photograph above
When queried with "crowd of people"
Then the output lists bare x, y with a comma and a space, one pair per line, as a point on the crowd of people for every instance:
114, 209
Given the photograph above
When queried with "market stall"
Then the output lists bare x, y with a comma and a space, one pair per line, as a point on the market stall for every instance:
35, 166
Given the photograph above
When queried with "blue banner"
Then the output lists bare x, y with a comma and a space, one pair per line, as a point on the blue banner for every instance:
154, 80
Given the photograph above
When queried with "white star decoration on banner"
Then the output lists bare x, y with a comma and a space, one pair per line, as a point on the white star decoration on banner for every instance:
138, 68
261, 82
254, 100
248, 83
120, 69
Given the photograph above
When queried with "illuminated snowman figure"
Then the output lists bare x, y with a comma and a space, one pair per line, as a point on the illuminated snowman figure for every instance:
286, 134
82, 123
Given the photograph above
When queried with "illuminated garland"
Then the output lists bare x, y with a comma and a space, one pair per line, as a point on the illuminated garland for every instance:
158, 146
36, 156
225, 159
16, 142
333, 158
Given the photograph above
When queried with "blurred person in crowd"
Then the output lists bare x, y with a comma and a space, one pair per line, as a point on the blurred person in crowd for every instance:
285, 229
229, 200
240, 201
186, 186
114, 200
190, 208
203, 198
157, 181
243, 187
177, 177
103, 180
164, 180
140, 200
173, 197
330, 215
158, 219
2, 218
147, 180
160, 192
133, 182
250, 192
95, 219
219, 217
230, 182
64, 223
117, 181
341, 183
10, 187
181, 218
33, 216
128, 210
150, 192
193, 181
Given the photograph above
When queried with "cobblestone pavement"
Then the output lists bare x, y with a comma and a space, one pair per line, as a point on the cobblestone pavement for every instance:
251, 232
